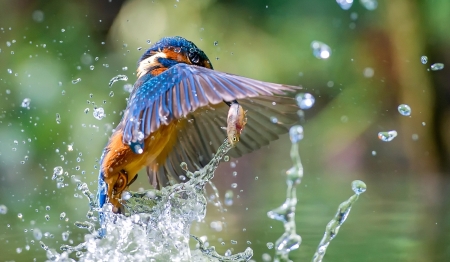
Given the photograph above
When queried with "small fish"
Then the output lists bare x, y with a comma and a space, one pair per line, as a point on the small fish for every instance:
237, 118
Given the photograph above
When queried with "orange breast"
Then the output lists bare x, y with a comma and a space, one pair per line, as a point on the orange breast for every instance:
120, 157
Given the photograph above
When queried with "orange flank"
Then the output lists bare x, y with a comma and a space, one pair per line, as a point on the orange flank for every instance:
121, 164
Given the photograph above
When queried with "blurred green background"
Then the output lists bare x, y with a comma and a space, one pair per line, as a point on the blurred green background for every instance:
62, 54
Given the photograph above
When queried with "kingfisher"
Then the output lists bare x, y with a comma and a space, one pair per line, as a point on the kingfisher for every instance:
177, 112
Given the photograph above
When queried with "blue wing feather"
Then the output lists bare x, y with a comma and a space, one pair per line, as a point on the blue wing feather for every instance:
180, 90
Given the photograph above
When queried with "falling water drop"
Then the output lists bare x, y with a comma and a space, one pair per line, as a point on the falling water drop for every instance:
228, 199
305, 100
369, 4
437, 66
404, 110
26, 103
345, 4
57, 171
320, 50
3, 209
128, 88
296, 133
58, 118
117, 78
424, 59
99, 113
75, 81
387, 136
359, 187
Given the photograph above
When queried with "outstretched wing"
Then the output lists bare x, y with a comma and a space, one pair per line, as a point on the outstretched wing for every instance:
199, 135
181, 90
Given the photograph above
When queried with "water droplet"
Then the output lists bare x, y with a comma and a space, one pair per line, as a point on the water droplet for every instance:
124, 68
404, 109
111, 94
235, 173
387, 136
86, 110
226, 158
320, 50
228, 199
47, 217
57, 171
62, 216
148, 41
234, 185
37, 234
65, 236
296, 133
75, 81
305, 100
3, 209
266, 257
38, 16
99, 113
374, 153
47, 208
117, 78
126, 195
9, 71
424, 59
20, 216
91, 67
269, 245
345, 4
216, 43
369, 4
26, 103
359, 187
273, 119
368, 72
415, 137
128, 88
437, 66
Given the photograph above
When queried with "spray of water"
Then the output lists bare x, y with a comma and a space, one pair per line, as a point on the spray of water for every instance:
155, 227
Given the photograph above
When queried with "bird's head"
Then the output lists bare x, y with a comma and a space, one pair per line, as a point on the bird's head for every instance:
168, 52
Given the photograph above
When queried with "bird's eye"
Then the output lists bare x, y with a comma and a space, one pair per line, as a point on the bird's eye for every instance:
194, 56
234, 139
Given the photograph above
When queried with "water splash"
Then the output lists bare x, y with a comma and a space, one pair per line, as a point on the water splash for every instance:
342, 213
290, 240
155, 226
117, 78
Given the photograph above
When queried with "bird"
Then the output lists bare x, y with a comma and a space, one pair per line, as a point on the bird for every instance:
177, 112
